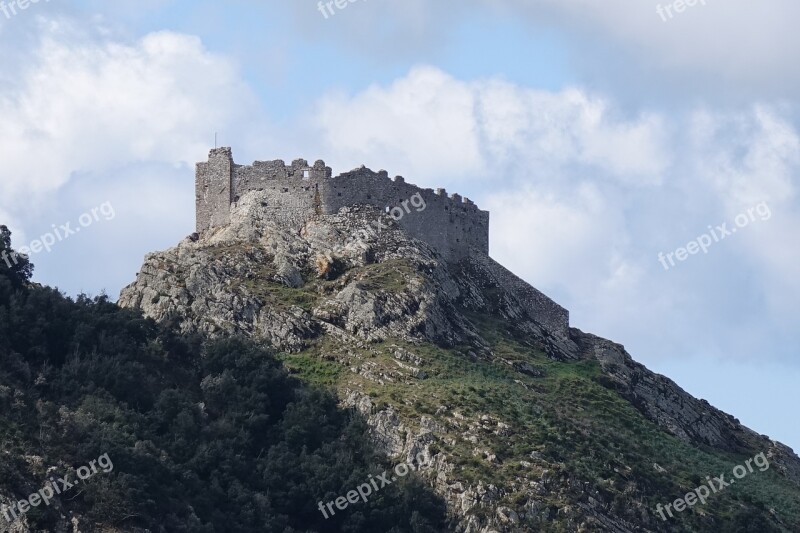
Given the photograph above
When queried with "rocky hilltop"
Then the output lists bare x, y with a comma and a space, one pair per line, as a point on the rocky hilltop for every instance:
527, 424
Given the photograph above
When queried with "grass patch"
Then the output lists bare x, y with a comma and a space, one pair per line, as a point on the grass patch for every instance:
311, 368
390, 276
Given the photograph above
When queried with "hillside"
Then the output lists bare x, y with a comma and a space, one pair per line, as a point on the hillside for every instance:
526, 426
190, 435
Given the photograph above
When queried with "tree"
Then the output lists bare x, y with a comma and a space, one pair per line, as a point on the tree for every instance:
13, 265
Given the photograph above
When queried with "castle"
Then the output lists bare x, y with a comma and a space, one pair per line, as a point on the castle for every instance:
451, 224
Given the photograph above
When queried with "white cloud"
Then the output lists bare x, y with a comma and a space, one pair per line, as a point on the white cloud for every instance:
740, 40
751, 158
422, 121
569, 127
724, 303
429, 123
558, 239
85, 106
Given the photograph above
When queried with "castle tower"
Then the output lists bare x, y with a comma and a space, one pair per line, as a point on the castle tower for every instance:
213, 189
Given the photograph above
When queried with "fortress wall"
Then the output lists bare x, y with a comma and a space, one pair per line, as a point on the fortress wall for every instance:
261, 174
255, 177
447, 224
292, 191
290, 202
538, 306
290, 210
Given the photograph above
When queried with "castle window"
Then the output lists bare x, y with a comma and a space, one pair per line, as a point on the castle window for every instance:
339, 194
306, 174
285, 189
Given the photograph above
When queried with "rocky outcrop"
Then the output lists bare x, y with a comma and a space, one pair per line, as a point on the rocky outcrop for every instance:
371, 286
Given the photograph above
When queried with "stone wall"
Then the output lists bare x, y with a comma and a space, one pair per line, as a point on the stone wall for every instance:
447, 223
538, 306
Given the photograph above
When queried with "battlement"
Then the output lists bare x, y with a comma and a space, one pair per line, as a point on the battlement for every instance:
277, 169
451, 224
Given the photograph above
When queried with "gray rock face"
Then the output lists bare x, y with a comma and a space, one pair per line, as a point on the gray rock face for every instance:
292, 286
211, 285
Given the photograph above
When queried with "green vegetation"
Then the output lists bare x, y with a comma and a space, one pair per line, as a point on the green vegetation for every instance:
15, 270
568, 417
389, 275
279, 295
311, 368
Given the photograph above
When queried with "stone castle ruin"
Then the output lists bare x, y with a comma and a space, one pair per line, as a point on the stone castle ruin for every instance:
451, 224
294, 193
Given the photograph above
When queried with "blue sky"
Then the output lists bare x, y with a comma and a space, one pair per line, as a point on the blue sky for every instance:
596, 133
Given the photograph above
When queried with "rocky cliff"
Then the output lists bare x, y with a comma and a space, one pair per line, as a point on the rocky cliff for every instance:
527, 426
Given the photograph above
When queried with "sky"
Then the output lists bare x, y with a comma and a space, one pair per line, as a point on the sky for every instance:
640, 162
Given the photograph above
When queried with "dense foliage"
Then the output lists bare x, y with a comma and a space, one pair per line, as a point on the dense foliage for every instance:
14, 269
204, 436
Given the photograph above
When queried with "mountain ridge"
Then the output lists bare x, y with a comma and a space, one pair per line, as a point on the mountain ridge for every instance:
397, 331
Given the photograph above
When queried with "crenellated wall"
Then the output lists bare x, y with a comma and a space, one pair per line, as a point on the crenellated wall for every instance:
447, 223
451, 224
